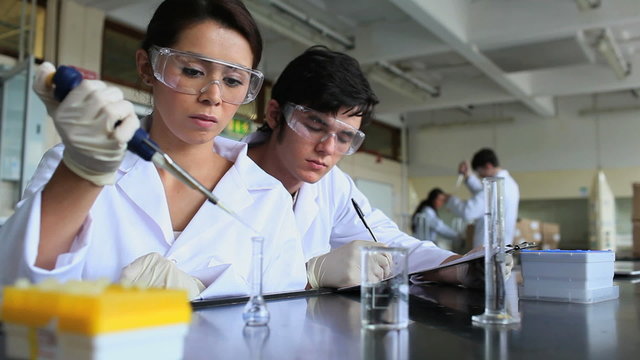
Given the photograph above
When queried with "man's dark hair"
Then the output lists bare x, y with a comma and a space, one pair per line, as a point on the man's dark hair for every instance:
325, 81
483, 157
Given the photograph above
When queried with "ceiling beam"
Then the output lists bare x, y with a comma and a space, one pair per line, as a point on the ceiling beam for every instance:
455, 94
448, 20
577, 80
380, 42
288, 27
553, 20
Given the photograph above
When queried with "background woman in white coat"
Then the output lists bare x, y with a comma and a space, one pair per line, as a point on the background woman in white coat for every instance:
425, 222
92, 208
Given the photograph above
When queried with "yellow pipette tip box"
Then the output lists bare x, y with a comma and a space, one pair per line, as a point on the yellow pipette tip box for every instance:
89, 318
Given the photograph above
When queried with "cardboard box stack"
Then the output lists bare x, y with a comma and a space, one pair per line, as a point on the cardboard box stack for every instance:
635, 218
528, 230
545, 235
550, 235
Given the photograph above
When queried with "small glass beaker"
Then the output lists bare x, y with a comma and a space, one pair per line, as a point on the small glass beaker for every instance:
384, 292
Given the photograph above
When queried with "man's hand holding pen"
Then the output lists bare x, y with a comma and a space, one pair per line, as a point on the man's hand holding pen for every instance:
341, 267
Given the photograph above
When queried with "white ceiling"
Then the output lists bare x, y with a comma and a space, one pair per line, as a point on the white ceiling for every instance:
478, 53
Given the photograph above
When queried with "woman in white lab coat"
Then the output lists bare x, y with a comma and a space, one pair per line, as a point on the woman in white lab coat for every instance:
425, 222
92, 208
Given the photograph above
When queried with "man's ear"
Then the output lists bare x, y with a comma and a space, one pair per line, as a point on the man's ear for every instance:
143, 66
272, 114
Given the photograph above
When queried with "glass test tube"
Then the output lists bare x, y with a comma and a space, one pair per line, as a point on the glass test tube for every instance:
495, 310
255, 311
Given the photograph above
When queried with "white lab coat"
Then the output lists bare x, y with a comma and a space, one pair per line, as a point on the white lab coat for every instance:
473, 209
131, 218
327, 220
428, 226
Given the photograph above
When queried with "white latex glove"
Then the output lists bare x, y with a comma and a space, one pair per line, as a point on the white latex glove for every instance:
45, 93
341, 267
508, 265
85, 120
472, 274
153, 270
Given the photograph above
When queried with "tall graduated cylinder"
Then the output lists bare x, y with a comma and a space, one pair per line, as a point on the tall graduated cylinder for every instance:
495, 310
384, 293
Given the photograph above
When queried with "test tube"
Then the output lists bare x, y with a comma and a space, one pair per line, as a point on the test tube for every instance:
255, 311
495, 310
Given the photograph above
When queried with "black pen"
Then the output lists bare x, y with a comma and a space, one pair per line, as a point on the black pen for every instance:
361, 216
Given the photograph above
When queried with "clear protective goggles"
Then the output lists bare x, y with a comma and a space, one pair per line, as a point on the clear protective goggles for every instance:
194, 74
318, 127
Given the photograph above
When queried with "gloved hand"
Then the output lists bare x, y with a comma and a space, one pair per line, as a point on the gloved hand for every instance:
341, 267
472, 274
508, 265
45, 93
153, 270
86, 121
464, 168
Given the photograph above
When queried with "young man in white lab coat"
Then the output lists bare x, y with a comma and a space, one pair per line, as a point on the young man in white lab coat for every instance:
319, 103
486, 164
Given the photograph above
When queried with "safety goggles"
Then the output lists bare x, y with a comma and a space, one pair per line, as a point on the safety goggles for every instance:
318, 127
194, 74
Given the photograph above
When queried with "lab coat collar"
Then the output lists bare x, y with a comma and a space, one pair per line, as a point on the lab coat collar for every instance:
133, 173
254, 177
128, 162
503, 173
306, 207
255, 137
233, 189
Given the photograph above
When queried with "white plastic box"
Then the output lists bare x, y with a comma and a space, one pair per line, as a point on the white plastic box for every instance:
580, 276
160, 342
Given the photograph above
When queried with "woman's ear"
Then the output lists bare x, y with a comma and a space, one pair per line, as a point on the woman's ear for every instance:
143, 66
272, 114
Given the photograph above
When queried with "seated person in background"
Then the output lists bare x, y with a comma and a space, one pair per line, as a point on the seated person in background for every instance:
425, 222
318, 105
93, 208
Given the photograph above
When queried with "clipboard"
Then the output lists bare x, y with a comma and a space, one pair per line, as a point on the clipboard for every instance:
510, 249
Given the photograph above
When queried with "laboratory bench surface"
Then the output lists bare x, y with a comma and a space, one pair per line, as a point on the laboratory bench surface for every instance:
326, 325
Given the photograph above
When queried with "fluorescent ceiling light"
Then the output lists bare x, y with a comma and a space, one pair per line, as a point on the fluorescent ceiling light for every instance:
290, 25
347, 42
421, 85
609, 49
444, 122
400, 82
396, 84
280, 24
585, 5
